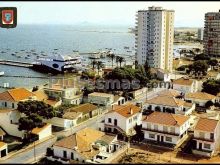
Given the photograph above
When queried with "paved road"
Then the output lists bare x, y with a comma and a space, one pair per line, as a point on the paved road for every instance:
27, 156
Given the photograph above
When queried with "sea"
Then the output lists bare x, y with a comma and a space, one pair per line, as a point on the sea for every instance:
25, 42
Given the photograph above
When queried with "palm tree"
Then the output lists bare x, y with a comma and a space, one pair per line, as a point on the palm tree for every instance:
93, 64
99, 65
120, 60
117, 60
112, 57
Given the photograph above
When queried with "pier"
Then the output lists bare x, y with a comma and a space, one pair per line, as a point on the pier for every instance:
16, 63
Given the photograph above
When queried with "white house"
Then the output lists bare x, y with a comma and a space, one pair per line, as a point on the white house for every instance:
9, 122
163, 75
200, 98
207, 137
10, 98
3, 149
87, 145
69, 95
122, 119
185, 85
165, 128
119, 100
43, 132
101, 98
165, 103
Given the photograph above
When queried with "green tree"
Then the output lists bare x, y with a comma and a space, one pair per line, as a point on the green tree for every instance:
117, 60
158, 109
211, 86
120, 60
112, 57
208, 104
198, 68
35, 112
213, 62
201, 57
99, 65
93, 64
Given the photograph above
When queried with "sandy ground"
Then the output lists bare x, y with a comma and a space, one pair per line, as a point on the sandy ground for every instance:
142, 154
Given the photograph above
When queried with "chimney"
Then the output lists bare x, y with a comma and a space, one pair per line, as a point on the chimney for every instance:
131, 111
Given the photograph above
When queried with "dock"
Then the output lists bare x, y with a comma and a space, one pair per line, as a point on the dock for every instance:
16, 63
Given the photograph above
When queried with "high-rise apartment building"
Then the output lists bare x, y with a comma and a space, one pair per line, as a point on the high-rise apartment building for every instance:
154, 37
211, 36
200, 34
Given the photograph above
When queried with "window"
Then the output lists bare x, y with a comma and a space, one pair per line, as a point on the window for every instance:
5, 104
212, 136
148, 126
156, 127
172, 129
72, 155
152, 136
169, 139
165, 129
109, 120
13, 105
201, 134
207, 146
64, 154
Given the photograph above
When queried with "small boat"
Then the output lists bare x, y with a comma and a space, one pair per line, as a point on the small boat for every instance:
3, 52
2, 73
126, 47
55, 49
22, 50
13, 54
18, 56
27, 57
16, 52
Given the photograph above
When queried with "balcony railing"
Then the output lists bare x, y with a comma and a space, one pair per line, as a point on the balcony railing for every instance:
204, 139
159, 131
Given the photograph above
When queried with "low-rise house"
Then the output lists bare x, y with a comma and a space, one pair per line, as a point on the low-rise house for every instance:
122, 120
68, 95
3, 149
75, 115
170, 104
101, 98
185, 85
9, 122
87, 145
42, 96
10, 98
165, 128
119, 100
206, 137
2, 134
200, 98
42, 132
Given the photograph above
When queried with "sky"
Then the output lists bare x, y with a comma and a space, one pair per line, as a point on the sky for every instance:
187, 14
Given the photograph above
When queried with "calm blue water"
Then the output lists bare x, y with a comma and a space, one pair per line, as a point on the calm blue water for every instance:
45, 38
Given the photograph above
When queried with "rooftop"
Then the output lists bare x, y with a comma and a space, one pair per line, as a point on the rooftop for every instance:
82, 142
16, 95
2, 144
84, 108
168, 119
200, 95
183, 81
125, 110
71, 115
37, 130
101, 94
164, 100
205, 124
169, 93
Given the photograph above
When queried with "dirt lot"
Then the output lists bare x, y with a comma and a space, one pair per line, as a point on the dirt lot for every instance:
142, 154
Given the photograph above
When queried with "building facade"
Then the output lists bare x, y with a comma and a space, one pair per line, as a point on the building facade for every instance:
212, 34
154, 37
170, 130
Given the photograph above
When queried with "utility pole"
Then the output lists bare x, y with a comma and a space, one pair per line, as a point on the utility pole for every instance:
34, 152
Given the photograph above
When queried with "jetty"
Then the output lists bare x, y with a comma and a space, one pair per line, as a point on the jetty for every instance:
16, 63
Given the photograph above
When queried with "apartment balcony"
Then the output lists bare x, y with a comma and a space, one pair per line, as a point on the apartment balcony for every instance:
204, 139
162, 132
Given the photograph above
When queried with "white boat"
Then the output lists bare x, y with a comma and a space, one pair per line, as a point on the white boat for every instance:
58, 63
2, 73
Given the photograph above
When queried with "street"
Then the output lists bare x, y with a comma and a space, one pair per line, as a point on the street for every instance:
27, 156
